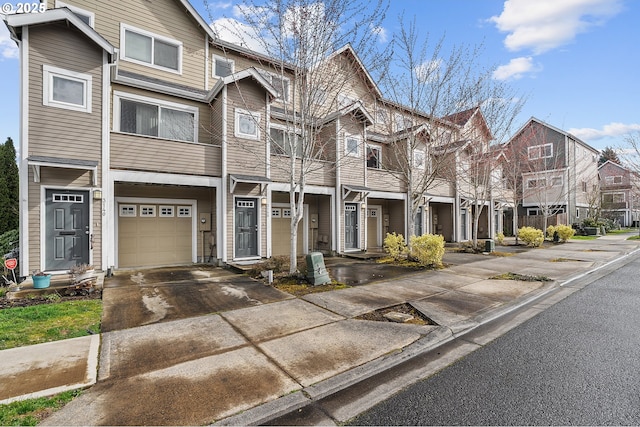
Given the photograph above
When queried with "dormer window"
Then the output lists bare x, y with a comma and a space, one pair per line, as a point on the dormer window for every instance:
150, 49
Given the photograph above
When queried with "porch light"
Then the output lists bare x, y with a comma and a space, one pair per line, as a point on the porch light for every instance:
263, 201
97, 194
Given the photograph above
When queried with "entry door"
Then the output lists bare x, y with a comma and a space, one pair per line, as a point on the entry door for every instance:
246, 228
67, 229
351, 226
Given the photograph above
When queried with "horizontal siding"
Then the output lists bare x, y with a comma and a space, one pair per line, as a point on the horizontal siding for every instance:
55, 131
382, 180
159, 155
163, 17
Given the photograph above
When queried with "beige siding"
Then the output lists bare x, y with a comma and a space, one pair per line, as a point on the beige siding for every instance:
382, 180
162, 17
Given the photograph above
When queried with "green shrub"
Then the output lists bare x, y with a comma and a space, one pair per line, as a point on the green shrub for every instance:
395, 245
500, 239
8, 240
531, 236
427, 249
565, 232
550, 231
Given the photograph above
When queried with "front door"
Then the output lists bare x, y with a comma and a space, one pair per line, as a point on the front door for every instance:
246, 228
67, 229
351, 226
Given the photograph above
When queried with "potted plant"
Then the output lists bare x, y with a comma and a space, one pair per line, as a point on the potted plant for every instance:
41, 280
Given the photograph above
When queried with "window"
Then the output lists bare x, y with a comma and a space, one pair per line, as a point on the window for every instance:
279, 83
128, 210
402, 122
534, 212
150, 49
536, 183
276, 213
167, 211
286, 213
352, 146
151, 117
344, 100
540, 151
222, 67
583, 184
282, 142
66, 89
73, 198
613, 179
382, 118
556, 181
418, 159
84, 15
246, 125
148, 210
373, 157
613, 198
184, 211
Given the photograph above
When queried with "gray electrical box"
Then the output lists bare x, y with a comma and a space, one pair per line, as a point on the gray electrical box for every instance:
316, 272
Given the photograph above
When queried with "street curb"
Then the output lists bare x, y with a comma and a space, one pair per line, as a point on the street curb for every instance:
271, 410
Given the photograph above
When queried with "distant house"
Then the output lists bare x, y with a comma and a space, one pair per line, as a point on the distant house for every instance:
620, 191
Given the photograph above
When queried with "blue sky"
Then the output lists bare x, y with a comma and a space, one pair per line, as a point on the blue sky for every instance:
575, 60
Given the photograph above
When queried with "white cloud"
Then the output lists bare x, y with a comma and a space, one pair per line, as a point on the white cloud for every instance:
428, 71
542, 25
516, 68
8, 48
234, 31
607, 131
381, 32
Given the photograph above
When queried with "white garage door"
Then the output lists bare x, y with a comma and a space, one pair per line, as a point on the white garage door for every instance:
154, 235
281, 232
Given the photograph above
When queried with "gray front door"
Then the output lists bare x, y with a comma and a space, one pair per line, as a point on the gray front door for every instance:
350, 226
246, 228
67, 229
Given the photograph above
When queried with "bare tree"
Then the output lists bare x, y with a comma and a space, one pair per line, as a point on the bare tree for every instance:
297, 39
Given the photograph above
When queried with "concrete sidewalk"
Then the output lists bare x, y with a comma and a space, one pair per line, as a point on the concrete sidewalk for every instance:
250, 365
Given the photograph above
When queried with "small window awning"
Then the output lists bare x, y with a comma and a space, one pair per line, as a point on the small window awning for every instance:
348, 189
36, 162
263, 181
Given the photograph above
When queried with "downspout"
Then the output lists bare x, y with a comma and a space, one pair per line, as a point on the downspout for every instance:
338, 232
24, 153
224, 217
108, 195
268, 173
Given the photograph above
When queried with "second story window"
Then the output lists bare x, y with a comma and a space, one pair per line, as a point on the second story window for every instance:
284, 143
352, 146
279, 83
147, 116
543, 151
150, 49
609, 180
536, 183
373, 157
222, 67
246, 124
418, 159
66, 89
84, 15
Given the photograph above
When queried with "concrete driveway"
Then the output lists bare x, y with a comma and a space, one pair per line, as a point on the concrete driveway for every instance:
143, 297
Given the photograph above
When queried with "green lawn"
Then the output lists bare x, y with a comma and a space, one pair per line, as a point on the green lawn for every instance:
36, 324
623, 231
584, 237
30, 412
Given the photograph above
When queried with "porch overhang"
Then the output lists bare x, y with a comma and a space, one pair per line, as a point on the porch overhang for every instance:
348, 189
36, 162
263, 181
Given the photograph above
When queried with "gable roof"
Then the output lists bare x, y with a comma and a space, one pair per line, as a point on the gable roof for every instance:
463, 118
16, 21
560, 131
618, 165
348, 50
251, 72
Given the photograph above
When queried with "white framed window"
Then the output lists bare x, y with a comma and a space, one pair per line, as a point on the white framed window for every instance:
68, 198
167, 211
279, 82
283, 144
146, 48
372, 213
140, 115
373, 157
613, 179
222, 67
184, 211
286, 213
127, 210
86, 16
276, 213
613, 198
402, 122
543, 151
537, 183
66, 89
147, 210
556, 181
351, 146
344, 100
533, 212
247, 124
577, 213
418, 159
382, 116
583, 184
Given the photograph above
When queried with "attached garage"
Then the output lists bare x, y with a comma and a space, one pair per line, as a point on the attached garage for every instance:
281, 232
154, 233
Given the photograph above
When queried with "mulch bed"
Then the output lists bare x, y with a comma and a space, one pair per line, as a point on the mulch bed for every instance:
46, 299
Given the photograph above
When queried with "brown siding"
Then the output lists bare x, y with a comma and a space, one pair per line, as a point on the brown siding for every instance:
163, 17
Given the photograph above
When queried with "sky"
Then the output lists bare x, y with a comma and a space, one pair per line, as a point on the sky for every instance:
574, 61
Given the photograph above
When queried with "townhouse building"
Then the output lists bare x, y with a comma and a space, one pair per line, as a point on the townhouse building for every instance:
147, 141
620, 193
559, 171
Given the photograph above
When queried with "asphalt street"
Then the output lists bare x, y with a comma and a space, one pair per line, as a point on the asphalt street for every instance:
576, 363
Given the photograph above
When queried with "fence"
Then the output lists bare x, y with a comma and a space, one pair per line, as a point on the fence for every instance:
537, 221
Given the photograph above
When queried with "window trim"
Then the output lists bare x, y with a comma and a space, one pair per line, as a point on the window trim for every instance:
424, 159
256, 117
123, 53
78, 11
536, 180
269, 75
379, 156
49, 72
117, 96
284, 130
348, 152
222, 58
541, 149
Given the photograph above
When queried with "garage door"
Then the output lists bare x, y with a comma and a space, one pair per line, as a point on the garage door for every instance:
154, 235
281, 232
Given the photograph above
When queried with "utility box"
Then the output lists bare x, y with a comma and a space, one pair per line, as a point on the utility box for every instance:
316, 271
489, 246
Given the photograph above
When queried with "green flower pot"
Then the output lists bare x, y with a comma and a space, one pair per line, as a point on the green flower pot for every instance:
41, 282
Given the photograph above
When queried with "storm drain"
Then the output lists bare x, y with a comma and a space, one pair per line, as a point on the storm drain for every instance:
401, 313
